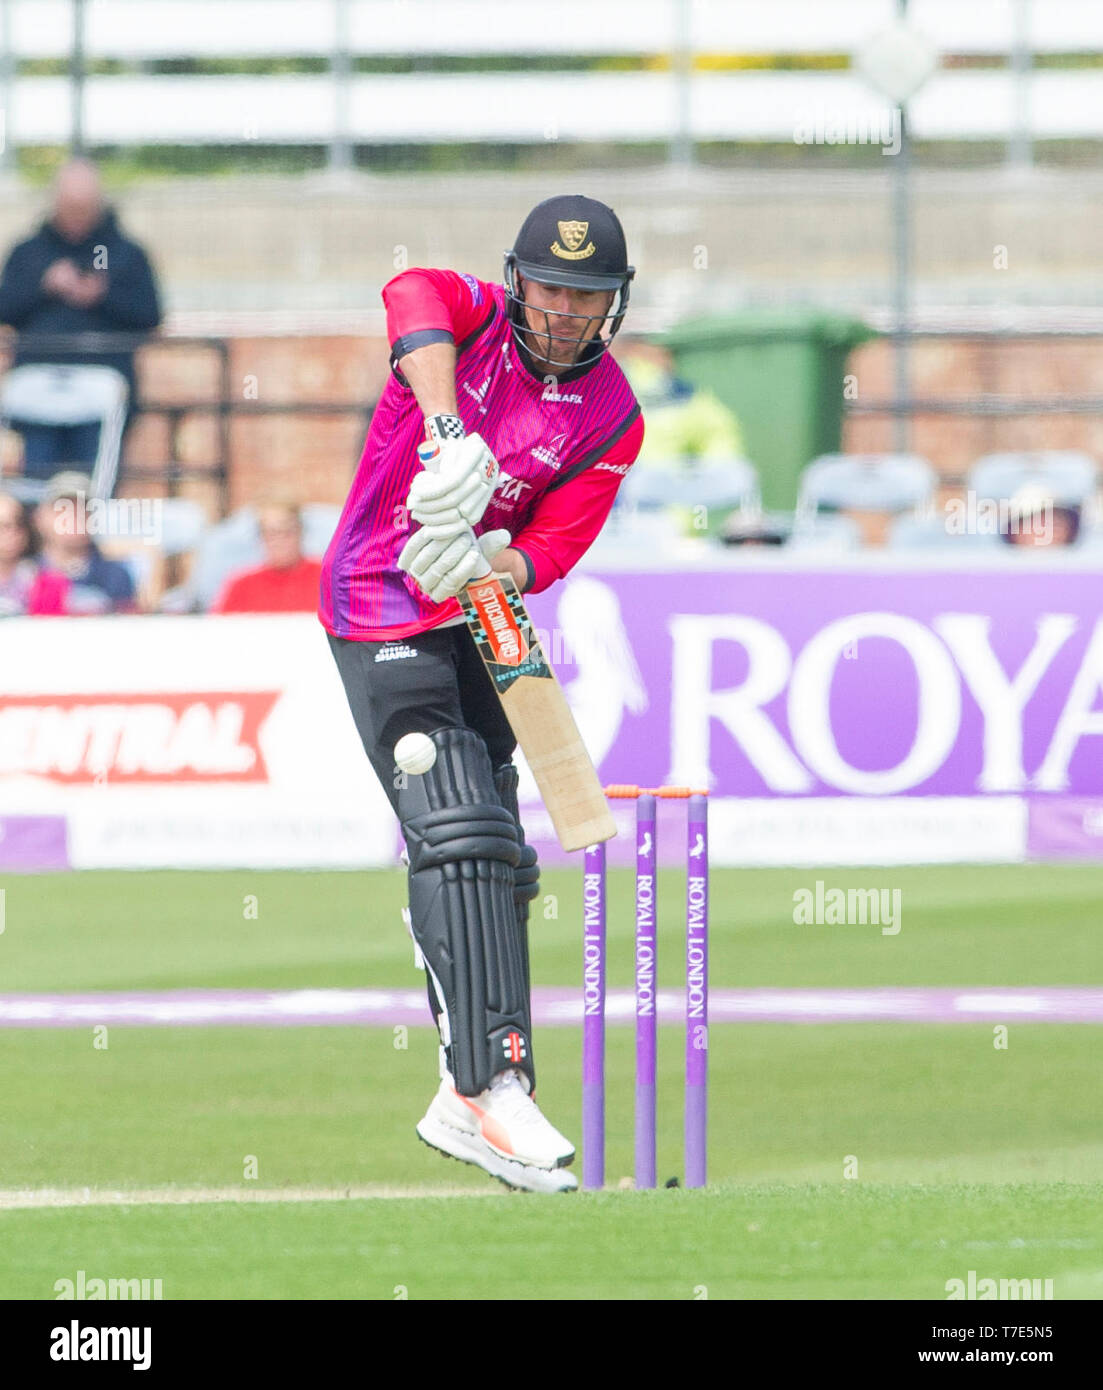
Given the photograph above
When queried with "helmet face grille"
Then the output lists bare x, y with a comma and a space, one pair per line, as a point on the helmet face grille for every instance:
539, 341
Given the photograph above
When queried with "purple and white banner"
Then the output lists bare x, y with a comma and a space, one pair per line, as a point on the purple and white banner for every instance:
857, 716
848, 715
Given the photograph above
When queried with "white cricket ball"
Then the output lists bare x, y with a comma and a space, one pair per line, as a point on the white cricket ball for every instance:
415, 753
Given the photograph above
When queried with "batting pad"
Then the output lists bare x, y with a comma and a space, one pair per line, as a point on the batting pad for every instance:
464, 846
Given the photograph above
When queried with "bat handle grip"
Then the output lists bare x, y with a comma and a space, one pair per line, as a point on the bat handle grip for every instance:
429, 454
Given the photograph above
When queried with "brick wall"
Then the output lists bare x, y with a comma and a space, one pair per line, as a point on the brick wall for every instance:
311, 456
959, 369
314, 456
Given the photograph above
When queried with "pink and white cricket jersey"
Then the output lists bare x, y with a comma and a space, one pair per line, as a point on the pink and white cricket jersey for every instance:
563, 446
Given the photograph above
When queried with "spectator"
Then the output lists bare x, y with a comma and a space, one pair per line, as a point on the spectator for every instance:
91, 582
1036, 517
77, 274
691, 436
287, 582
24, 587
683, 421
866, 497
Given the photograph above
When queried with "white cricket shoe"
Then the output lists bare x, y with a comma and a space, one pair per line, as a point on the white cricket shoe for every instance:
501, 1131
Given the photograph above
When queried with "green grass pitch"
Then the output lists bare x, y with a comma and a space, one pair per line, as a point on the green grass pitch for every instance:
966, 1156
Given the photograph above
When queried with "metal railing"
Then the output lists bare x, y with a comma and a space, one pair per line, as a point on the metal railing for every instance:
988, 405
227, 406
152, 29
681, 100
223, 403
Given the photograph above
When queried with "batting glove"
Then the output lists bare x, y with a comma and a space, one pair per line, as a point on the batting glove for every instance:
452, 493
442, 565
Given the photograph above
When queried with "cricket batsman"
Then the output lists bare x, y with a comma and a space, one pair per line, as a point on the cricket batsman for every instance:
532, 428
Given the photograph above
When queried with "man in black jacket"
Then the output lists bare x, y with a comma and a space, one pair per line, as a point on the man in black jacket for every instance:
78, 274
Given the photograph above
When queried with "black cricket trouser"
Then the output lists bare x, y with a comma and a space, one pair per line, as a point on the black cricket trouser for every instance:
433, 680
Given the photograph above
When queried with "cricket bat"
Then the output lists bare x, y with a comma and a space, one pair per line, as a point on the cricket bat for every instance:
534, 704
537, 711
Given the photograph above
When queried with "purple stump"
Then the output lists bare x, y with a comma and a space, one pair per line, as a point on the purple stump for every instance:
593, 1018
646, 984
697, 991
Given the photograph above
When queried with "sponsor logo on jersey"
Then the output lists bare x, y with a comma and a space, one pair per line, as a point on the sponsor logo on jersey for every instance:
510, 489
573, 234
621, 468
395, 651
553, 393
549, 453
478, 393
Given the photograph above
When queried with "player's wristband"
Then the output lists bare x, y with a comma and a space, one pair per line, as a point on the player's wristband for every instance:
443, 427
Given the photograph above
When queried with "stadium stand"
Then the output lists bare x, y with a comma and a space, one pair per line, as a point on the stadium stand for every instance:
234, 544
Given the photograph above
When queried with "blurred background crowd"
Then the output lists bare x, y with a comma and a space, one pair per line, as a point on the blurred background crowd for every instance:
868, 315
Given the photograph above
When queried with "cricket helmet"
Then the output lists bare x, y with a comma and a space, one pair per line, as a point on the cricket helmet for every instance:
575, 242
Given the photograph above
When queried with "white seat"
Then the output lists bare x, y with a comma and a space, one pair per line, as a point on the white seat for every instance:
78, 394
1067, 475
319, 523
711, 483
28, 490
183, 523
826, 532
866, 482
234, 544
911, 532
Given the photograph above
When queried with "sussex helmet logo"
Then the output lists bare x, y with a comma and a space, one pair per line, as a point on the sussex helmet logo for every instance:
573, 234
